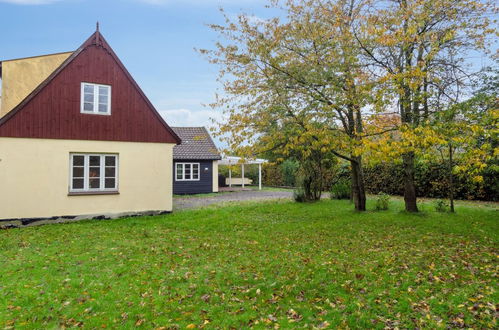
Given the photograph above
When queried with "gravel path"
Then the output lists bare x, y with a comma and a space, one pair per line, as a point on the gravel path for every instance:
192, 202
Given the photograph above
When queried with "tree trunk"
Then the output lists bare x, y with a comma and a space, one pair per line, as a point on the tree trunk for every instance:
307, 188
358, 189
409, 186
451, 180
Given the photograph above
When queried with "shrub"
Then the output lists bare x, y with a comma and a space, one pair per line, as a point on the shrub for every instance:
272, 175
299, 195
432, 181
289, 170
382, 201
341, 190
441, 205
309, 179
311, 174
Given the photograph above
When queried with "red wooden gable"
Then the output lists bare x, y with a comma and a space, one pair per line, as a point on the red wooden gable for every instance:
52, 110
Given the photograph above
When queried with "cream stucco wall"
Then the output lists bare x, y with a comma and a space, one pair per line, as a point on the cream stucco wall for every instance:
34, 178
20, 77
215, 176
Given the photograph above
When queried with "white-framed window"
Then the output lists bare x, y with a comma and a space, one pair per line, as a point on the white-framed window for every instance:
93, 172
95, 99
187, 172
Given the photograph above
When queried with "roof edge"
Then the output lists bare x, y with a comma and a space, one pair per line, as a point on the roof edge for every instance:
188, 127
35, 56
37, 90
197, 158
100, 39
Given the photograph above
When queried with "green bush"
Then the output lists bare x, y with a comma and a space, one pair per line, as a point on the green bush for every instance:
289, 170
432, 181
299, 195
272, 175
309, 181
441, 205
382, 201
293, 173
341, 190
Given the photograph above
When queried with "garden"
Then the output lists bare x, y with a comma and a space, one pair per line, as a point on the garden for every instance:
266, 264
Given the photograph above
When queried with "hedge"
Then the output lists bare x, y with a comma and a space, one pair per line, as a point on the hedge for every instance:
432, 181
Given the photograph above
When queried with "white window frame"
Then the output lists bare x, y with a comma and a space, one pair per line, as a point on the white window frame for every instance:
191, 165
86, 170
95, 111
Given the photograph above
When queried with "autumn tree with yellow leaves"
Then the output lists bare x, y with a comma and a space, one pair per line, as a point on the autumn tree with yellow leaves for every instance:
419, 50
296, 86
466, 135
308, 83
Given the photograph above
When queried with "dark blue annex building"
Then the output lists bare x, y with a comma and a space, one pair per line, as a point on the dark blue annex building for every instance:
195, 162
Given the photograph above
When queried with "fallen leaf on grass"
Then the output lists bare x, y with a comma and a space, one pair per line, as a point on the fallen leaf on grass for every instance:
293, 315
323, 325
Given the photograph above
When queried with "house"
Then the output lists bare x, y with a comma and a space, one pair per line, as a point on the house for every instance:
78, 137
195, 162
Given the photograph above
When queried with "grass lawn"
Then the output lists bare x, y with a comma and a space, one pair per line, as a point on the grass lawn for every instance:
275, 264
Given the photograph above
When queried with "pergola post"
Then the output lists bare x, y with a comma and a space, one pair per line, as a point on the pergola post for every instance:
242, 173
234, 161
259, 176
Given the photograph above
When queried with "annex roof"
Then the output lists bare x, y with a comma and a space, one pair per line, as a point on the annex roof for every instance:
196, 144
232, 160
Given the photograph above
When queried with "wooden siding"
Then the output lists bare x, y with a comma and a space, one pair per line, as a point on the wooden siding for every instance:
53, 112
203, 186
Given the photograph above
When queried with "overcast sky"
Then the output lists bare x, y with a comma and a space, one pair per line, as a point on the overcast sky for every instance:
155, 39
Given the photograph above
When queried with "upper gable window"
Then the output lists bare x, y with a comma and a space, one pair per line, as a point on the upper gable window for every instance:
95, 99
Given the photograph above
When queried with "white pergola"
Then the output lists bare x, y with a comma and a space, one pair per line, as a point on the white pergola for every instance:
231, 160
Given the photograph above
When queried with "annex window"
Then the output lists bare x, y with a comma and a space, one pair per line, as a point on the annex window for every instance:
95, 99
187, 172
94, 172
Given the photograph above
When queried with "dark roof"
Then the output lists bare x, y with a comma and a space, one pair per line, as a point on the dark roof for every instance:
95, 39
196, 144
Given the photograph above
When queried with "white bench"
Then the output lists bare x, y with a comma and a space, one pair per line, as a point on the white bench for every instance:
238, 181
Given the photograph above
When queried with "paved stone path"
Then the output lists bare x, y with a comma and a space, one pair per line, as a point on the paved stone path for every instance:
192, 202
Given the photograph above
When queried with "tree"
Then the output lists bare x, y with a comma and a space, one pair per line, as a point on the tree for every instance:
464, 135
296, 83
468, 132
419, 49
